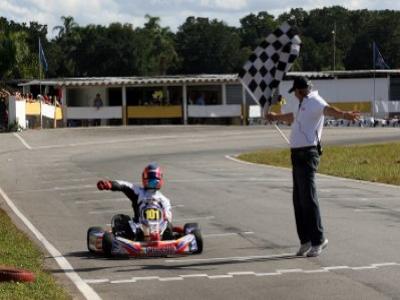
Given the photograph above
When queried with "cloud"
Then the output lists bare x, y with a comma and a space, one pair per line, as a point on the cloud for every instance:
172, 12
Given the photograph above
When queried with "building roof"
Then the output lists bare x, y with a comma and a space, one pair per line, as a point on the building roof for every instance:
195, 79
137, 81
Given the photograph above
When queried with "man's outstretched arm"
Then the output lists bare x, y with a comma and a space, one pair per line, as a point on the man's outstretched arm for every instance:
339, 114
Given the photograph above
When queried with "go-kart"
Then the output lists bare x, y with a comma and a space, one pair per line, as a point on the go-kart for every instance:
152, 236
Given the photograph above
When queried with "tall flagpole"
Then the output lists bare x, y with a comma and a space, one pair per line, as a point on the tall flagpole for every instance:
40, 69
40, 85
373, 61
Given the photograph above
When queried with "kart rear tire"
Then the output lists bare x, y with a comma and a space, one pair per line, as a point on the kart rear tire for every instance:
95, 228
108, 238
192, 226
199, 241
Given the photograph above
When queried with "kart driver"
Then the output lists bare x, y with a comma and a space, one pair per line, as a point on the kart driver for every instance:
152, 179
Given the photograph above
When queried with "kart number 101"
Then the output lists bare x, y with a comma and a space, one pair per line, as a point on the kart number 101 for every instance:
152, 214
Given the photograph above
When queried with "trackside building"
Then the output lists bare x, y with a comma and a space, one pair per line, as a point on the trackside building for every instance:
218, 99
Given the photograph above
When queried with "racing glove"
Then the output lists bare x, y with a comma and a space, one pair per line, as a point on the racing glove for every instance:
104, 185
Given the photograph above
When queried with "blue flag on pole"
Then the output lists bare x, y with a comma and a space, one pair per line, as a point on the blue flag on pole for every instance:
379, 62
42, 57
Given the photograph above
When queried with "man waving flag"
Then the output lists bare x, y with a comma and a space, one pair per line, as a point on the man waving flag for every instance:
267, 65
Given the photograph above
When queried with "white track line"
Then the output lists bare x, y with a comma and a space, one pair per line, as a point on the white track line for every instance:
220, 276
194, 219
234, 258
177, 205
60, 188
193, 275
69, 271
80, 193
70, 180
22, 141
108, 211
102, 200
236, 274
170, 278
205, 137
244, 179
211, 235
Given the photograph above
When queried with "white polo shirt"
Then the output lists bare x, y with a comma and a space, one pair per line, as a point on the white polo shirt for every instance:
308, 121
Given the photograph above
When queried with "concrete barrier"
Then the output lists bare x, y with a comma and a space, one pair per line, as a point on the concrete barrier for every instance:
214, 111
89, 112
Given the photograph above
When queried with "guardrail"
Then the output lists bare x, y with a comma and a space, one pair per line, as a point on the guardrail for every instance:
214, 111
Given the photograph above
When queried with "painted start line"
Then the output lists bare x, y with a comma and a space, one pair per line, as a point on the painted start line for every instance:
278, 272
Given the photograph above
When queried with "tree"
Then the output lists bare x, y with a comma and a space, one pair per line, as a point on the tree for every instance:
68, 40
7, 54
254, 28
69, 25
156, 51
209, 47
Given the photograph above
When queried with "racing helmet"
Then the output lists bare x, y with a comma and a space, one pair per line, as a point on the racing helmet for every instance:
152, 177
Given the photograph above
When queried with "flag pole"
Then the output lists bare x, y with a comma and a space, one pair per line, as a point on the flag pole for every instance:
40, 70
263, 112
374, 64
40, 86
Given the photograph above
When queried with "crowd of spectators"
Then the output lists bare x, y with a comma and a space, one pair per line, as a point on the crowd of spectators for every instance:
365, 122
28, 97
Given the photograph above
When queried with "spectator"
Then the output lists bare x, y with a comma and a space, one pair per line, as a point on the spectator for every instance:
3, 113
201, 100
98, 103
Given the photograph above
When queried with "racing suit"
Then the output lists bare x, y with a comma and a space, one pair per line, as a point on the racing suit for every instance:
139, 196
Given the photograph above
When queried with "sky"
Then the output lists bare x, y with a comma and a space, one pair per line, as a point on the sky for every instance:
172, 12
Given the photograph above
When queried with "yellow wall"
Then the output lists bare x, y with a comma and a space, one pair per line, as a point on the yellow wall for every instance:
149, 112
32, 108
362, 106
59, 115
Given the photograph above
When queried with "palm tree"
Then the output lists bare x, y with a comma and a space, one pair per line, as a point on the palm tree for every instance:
163, 48
68, 38
67, 28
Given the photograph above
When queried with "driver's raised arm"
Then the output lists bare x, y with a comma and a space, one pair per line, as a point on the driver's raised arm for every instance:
118, 185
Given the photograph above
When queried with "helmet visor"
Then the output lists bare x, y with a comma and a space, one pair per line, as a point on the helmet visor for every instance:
152, 183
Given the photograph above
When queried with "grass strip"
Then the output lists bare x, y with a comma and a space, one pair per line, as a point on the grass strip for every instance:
18, 251
376, 163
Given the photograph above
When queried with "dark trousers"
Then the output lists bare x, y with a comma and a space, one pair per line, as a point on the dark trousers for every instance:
305, 162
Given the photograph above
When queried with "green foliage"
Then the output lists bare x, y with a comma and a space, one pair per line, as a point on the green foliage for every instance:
201, 45
16, 250
254, 28
208, 47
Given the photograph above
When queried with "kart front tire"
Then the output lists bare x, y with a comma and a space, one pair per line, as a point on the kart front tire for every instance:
108, 238
199, 241
95, 228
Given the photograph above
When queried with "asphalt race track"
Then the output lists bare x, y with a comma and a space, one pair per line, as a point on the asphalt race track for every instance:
245, 212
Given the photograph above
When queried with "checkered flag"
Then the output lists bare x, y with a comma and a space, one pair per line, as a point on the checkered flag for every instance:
270, 61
